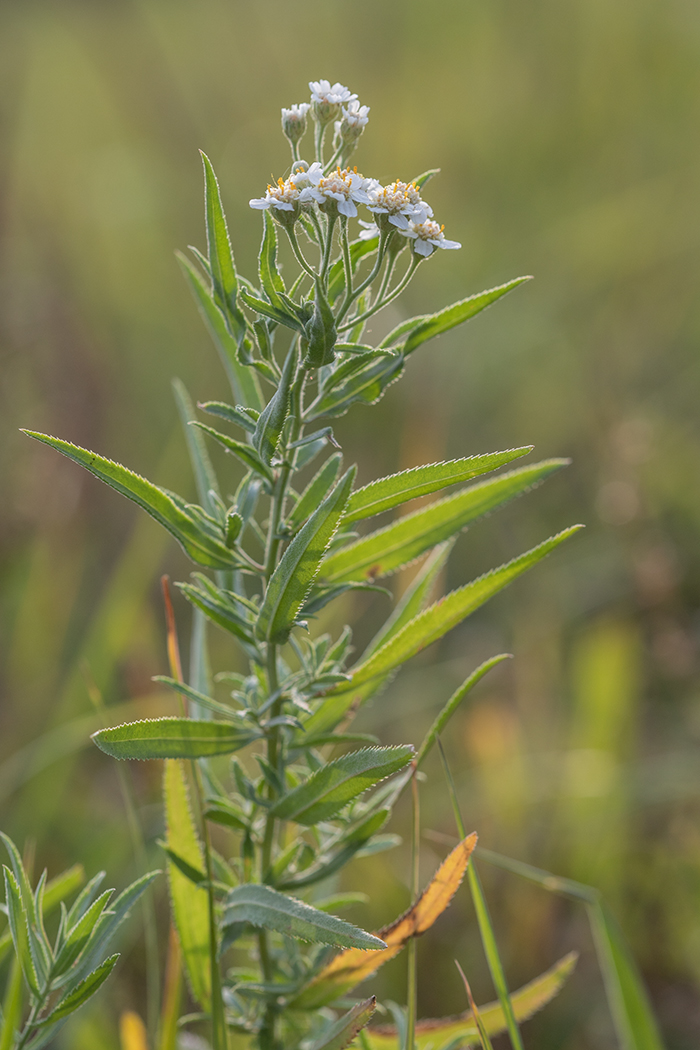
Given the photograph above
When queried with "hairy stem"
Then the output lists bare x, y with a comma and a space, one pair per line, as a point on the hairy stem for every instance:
412, 997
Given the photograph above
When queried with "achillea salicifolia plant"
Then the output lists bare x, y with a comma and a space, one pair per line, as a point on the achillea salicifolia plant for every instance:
263, 952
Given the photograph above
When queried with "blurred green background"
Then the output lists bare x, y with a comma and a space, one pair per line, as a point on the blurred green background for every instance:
567, 139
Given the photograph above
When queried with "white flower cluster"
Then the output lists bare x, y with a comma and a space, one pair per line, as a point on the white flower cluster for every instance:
396, 207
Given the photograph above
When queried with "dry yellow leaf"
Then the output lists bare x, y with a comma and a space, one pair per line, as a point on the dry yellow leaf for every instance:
354, 965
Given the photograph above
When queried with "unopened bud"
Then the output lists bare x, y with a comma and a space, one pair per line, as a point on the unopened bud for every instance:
294, 121
321, 333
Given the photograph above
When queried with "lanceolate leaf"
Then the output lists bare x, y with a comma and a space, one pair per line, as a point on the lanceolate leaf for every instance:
172, 738
270, 277
80, 995
244, 383
189, 903
351, 967
315, 491
194, 696
438, 619
110, 921
389, 492
410, 334
260, 905
359, 378
417, 596
269, 426
339, 1035
400, 543
201, 547
461, 1031
246, 453
223, 269
291, 580
334, 785
19, 928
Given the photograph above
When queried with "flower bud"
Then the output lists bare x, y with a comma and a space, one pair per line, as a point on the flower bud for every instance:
294, 122
321, 333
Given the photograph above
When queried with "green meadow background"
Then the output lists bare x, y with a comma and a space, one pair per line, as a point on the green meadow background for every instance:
567, 138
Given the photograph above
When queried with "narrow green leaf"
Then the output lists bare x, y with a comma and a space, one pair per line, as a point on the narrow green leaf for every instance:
345, 849
234, 414
19, 928
314, 492
423, 179
280, 314
398, 544
339, 1035
441, 617
272, 419
246, 453
417, 330
332, 786
78, 937
80, 995
39, 946
336, 275
219, 610
634, 1020
320, 332
270, 277
198, 544
172, 738
110, 921
194, 696
417, 596
244, 383
292, 579
223, 269
453, 703
262, 906
188, 902
391, 491
363, 378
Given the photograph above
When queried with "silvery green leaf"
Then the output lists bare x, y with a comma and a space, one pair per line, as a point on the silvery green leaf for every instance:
386, 493
411, 334
314, 492
336, 783
243, 382
223, 268
172, 738
194, 539
260, 905
292, 579
398, 544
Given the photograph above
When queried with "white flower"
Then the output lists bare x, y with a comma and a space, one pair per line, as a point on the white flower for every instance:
427, 235
284, 196
346, 188
333, 94
294, 121
327, 100
401, 201
370, 231
354, 121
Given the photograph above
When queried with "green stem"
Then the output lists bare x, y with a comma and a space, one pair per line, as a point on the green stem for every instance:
488, 938
412, 997
350, 299
298, 255
319, 133
330, 226
384, 302
347, 262
274, 757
